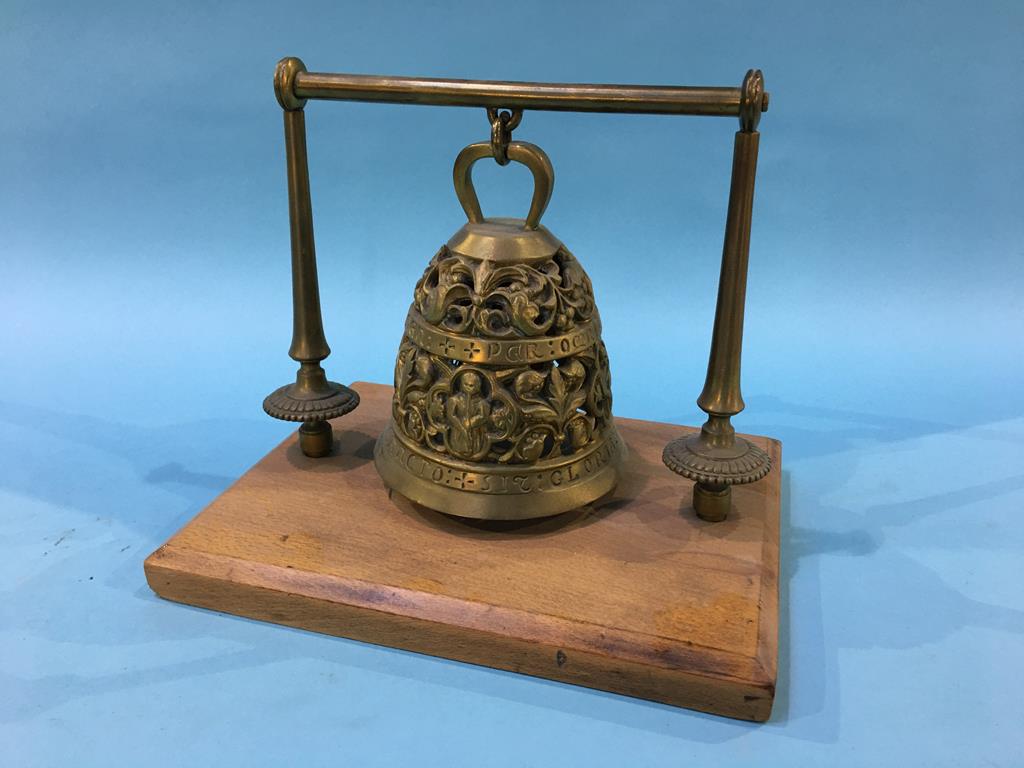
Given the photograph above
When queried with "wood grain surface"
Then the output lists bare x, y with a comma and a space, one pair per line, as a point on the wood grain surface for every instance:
632, 594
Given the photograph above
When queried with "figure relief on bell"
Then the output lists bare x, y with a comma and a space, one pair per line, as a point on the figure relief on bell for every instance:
468, 414
517, 415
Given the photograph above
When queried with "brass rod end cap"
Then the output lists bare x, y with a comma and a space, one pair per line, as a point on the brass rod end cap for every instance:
753, 101
284, 83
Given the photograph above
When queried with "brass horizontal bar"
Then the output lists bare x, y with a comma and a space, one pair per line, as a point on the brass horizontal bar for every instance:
566, 97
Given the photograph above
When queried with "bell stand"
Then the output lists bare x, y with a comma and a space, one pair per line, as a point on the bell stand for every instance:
633, 595
715, 458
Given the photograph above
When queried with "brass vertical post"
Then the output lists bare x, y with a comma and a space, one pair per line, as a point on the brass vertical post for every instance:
308, 342
715, 457
311, 399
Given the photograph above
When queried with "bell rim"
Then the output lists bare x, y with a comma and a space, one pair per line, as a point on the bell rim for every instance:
531, 504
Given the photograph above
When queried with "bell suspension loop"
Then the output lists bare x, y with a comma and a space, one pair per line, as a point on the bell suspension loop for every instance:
502, 124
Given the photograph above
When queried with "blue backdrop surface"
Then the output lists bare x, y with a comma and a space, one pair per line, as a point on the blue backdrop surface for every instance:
145, 312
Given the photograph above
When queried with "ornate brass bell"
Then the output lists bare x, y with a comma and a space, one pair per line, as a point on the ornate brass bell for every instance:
502, 406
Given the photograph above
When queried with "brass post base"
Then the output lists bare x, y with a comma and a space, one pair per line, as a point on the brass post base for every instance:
316, 439
295, 402
312, 400
712, 502
716, 465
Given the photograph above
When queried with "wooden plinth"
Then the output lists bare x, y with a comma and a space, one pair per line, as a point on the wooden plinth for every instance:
633, 594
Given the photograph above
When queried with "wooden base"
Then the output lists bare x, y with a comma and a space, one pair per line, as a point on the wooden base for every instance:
632, 594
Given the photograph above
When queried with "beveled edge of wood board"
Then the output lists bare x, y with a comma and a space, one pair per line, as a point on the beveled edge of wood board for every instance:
620, 661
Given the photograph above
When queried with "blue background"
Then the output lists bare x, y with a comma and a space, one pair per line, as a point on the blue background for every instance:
145, 310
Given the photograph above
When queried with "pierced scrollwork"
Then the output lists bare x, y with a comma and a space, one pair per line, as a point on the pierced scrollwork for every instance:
518, 415
483, 298
502, 400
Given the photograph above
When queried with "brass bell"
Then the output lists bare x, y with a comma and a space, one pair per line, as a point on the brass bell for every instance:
503, 405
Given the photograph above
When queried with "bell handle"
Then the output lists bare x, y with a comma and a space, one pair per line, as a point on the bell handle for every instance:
530, 155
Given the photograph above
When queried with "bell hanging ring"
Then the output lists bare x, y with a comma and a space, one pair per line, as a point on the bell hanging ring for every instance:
502, 407
502, 125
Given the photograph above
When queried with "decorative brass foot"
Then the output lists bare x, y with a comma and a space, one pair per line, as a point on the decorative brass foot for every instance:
312, 399
715, 458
